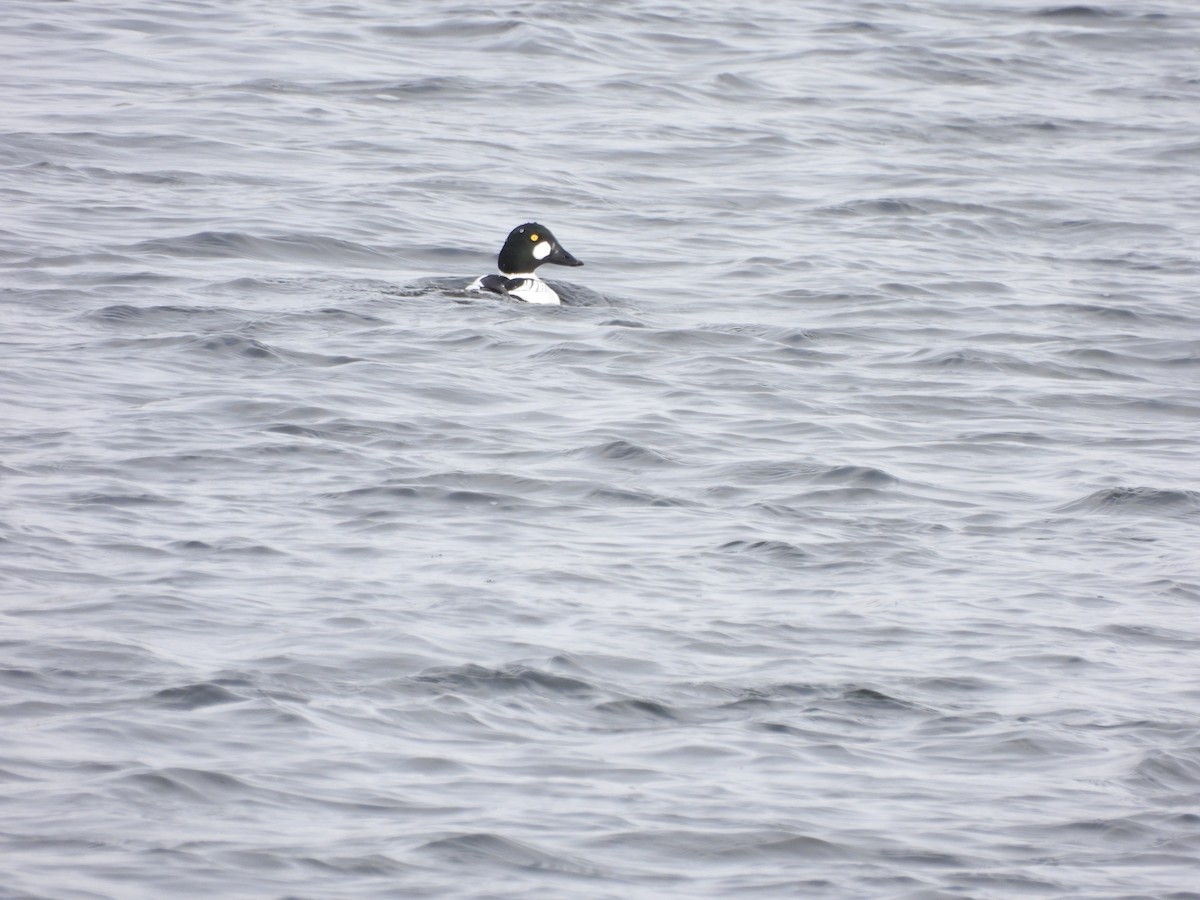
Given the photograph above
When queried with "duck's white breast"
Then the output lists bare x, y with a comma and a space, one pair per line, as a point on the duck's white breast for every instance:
533, 290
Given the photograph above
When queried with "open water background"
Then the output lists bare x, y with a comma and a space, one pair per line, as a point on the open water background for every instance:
838, 538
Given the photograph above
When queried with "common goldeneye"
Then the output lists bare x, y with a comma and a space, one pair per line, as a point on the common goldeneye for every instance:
527, 247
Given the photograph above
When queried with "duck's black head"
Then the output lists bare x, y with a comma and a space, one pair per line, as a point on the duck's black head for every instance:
530, 245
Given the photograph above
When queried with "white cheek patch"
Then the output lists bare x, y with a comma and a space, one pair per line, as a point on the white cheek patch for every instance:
542, 250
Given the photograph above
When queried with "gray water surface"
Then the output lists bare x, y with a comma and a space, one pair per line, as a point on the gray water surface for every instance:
836, 538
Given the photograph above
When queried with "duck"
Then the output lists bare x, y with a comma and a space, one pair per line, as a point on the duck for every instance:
526, 248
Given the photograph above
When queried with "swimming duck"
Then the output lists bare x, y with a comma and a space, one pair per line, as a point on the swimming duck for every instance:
527, 247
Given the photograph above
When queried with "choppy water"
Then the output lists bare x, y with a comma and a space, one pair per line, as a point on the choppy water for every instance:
838, 538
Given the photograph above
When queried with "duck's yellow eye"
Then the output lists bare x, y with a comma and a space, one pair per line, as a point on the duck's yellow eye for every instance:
533, 237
